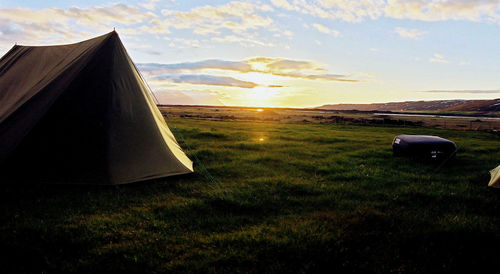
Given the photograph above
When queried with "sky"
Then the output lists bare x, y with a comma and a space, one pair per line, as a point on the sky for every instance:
284, 53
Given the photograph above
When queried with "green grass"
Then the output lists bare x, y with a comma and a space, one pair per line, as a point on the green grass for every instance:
308, 198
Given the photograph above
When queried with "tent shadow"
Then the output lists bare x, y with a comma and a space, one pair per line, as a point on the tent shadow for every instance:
45, 197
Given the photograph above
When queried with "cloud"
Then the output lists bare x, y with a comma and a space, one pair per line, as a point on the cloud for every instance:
203, 79
245, 23
148, 51
288, 33
438, 58
493, 91
185, 43
267, 65
346, 10
284, 4
150, 5
326, 30
226, 23
428, 10
234, 16
294, 69
280, 65
53, 25
413, 34
193, 66
328, 77
441, 10
189, 97
235, 20
243, 41
93, 16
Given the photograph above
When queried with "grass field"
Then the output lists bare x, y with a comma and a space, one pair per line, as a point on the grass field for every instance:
289, 197
455, 120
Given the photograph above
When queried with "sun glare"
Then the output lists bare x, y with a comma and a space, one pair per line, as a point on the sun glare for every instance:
259, 66
259, 95
260, 110
263, 79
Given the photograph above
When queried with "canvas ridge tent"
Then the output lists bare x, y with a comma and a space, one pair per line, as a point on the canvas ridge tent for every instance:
81, 113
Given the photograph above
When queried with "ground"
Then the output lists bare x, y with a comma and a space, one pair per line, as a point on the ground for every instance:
471, 120
285, 197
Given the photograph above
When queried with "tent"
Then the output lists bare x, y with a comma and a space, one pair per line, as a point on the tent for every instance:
81, 113
495, 177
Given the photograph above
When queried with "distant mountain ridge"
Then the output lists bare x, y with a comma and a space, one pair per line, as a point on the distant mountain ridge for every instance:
438, 105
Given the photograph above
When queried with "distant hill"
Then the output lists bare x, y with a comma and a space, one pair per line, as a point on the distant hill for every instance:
439, 105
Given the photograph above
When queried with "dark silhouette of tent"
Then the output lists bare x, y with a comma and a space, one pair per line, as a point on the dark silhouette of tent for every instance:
81, 113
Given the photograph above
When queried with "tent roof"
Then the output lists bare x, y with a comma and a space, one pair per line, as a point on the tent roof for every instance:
45, 64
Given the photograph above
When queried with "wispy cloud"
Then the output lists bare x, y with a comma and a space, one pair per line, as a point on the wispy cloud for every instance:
438, 58
294, 69
414, 34
145, 48
189, 97
351, 11
282, 65
429, 10
202, 79
245, 23
243, 41
288, 33
273, 66
326, 30
473, 91
194, 66
234, 21
54, 25
149, 5
234, 16
282, 4
184, 43
442, 10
